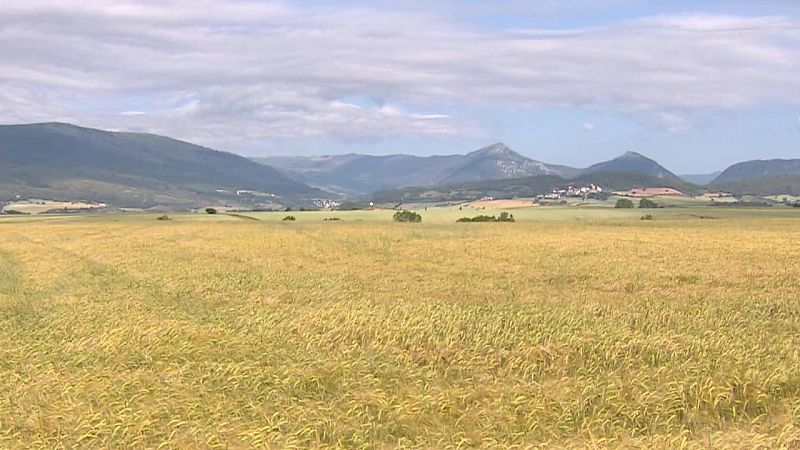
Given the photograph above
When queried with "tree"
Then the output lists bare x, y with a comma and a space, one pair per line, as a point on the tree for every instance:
211, 211
624, 203
407, 217
647, 203
505, 217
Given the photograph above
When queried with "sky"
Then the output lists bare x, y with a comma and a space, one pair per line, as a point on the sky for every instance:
696, 85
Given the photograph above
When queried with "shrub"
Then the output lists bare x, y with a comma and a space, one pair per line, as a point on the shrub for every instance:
164, 217
624, 203
647, 217
407, 217
647, 203
481, 218
289, 219
505, 217
211, 211
331, 219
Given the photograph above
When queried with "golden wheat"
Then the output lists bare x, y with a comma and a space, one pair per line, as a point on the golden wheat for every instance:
221, 333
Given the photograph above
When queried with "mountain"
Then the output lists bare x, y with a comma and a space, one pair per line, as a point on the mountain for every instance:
65, 162
632, 162
771, 185
356, 174
759, 169
498, 161
527, 187
701, 179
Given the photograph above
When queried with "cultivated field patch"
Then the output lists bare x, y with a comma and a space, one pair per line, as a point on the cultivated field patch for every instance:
217, 332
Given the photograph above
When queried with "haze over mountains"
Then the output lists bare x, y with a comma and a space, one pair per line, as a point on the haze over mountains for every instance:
65, 162
701, 178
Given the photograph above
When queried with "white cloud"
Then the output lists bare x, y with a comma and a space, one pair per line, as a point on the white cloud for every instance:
588, 126
218, 70
674, 123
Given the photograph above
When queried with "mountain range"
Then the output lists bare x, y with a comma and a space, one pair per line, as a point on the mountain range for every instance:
355, 174
61, 161
66, 162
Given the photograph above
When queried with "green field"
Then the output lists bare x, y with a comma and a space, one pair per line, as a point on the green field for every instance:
445, 215
571, 328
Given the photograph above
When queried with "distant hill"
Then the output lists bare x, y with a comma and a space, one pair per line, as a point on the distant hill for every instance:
65, 162
701, 179
759, 169
528, 187
771, 185
357, 175
632, 162
361, 174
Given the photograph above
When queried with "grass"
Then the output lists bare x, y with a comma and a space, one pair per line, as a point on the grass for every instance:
590, 213
121, 331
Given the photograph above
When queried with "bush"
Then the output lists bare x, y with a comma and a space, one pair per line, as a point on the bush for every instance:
647, 217
647, 203
211, 211
289, 219
164, 217
624, 203
331, 219
407, 217
504, 217
478, 219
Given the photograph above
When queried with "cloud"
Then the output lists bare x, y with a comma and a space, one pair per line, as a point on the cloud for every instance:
588, 126
244, 72
674, 123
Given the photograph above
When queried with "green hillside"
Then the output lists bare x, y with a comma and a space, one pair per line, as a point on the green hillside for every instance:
66, 162
759, 169
529, 187
772, 185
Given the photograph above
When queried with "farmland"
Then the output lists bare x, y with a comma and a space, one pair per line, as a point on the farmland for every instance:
573, 327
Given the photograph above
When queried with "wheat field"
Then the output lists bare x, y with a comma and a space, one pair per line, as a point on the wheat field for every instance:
222, 332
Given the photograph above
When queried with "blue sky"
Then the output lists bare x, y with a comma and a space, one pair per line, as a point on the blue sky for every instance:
695, 85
